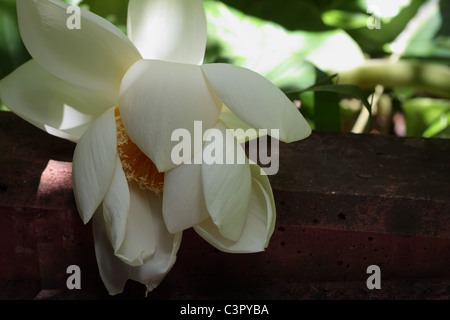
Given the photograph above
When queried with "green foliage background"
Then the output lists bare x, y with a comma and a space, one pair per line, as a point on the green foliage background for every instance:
321, 54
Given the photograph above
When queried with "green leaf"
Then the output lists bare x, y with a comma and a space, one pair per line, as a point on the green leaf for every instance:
286, 58
344, 89
291, 14
12, 51
440, 128
425, 116
326, 106
373, 41
428, 35
345, 19
115, 11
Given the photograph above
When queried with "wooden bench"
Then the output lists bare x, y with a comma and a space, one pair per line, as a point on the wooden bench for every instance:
344, 202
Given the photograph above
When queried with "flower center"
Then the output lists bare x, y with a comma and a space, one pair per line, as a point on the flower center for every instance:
136, 165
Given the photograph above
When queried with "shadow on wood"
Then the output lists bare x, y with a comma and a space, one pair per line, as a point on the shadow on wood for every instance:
344, 202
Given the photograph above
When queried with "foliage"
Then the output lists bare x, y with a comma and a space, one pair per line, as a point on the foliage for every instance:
12, 50
299, 45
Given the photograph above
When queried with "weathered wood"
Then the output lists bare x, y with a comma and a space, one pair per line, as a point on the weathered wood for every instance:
344, 202
366, 183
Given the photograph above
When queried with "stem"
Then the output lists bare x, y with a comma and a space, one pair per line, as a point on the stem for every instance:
433, 78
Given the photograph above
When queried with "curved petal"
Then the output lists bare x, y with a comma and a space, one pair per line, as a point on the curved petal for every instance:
115, 272
264, 182
169, 30
94, 164
139, 242
116, 205
49, 102
183, 199
159, 98
257, 101
95, 56
258, 227
161, 262
240, 128
226, 183
71, 135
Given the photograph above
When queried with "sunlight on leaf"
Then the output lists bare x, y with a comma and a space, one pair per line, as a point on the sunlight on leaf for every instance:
419, 36
268, 48
425, 117
288, 44
439, 128
345, 19
385, 8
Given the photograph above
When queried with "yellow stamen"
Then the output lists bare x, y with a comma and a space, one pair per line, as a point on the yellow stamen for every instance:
136, 165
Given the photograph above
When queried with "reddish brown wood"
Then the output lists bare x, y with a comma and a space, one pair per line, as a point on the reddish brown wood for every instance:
366, 183
344, 202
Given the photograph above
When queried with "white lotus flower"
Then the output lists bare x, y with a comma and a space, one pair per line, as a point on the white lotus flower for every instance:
120, 100
230, 205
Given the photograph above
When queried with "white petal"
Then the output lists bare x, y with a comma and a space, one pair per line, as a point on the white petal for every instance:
71, 135
259, 225
116, 205
183, 200
242, 131
95, 56
227, 184
94, 164
115, 272
257, 101
140, 237
270, 202
159, 264
51, 103
160, 97
170, 30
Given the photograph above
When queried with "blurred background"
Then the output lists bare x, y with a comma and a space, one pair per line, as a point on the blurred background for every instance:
378, 66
